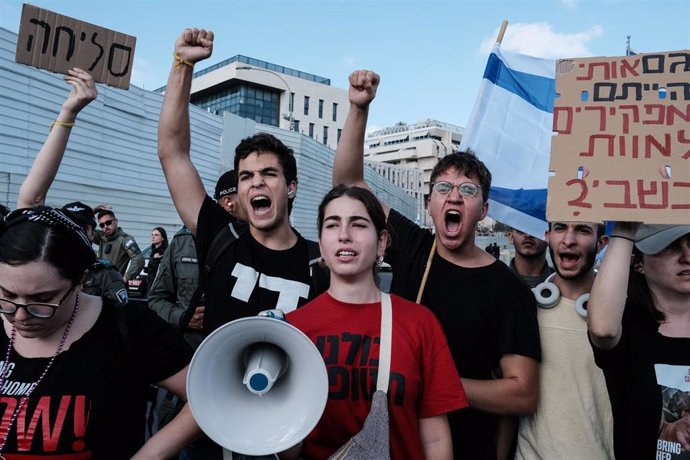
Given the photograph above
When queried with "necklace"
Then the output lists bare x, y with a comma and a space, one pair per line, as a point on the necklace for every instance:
25, 399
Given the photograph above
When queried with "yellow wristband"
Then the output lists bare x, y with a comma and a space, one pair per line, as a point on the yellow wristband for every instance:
181, 61
64, 124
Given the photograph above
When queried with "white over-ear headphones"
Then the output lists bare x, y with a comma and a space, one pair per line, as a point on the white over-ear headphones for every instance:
548, 294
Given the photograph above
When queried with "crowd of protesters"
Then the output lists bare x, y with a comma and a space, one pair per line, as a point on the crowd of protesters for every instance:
489, 360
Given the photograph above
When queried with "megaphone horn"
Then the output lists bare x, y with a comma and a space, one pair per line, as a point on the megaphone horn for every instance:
257, 386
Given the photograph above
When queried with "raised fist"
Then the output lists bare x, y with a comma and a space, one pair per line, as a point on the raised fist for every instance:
363, 85
194, 45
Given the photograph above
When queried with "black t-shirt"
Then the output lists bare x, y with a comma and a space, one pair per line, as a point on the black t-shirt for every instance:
248, 277
92, 401
486, 312
647, 377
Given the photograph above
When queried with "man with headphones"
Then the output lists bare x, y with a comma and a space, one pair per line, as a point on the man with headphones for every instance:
573, 417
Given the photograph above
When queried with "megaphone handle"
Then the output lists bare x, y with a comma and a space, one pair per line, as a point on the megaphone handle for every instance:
385, 343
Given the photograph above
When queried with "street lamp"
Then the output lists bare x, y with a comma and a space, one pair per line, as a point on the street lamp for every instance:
290, 118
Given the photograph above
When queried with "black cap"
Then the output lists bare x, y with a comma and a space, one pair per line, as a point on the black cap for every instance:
80, 213
226, 185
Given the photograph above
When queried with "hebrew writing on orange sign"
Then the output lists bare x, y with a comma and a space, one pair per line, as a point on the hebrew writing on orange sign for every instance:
622, 149
50, 41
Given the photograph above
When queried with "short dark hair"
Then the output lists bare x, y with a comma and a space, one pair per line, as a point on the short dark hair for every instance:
60, 247
468, 164
267, 143
105, 212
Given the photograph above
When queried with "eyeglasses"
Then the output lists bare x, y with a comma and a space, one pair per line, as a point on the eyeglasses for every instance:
467, 189
35, 309
105, 222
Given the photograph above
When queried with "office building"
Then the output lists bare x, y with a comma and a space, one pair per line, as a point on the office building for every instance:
419, 145
272, 95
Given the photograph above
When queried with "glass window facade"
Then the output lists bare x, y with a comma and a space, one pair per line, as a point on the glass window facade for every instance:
320, 108
311, 130
325, 135
258, 104
306, 105
335, 112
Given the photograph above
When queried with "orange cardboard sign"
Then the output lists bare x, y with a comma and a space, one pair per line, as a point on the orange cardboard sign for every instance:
622, 149
50, 41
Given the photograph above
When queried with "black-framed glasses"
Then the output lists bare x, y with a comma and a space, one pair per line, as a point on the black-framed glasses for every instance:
467, 189
36, 309
105, 222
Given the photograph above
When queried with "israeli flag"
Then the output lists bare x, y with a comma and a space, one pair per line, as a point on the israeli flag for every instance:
510, 130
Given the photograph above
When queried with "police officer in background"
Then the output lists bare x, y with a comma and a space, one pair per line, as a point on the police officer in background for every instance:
174, 286
103, 279
117, 246
174, 290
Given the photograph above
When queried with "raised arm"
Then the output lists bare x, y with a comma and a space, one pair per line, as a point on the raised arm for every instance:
42, 173
348, 166
185, 185
607, 298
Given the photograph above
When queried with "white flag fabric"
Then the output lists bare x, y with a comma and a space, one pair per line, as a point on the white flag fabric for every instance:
510, 130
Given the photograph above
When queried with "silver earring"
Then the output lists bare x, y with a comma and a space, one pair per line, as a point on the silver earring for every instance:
322, 263
379, 261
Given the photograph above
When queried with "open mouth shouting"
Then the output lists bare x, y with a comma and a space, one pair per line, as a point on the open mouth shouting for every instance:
568, 260
261, 204
453, 221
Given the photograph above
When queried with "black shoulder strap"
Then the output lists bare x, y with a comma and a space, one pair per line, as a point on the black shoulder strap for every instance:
313, 251
225, 237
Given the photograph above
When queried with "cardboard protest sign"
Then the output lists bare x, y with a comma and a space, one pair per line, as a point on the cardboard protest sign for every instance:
622, 149
48, 40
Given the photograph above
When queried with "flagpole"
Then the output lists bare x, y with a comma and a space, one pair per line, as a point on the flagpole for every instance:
502, 32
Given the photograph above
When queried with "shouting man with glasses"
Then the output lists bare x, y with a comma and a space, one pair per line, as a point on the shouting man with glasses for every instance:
117, 246
488, 314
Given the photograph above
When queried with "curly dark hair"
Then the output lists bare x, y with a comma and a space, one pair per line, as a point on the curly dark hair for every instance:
468, 164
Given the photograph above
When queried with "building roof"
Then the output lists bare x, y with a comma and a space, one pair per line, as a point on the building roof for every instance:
262, 64
402, 127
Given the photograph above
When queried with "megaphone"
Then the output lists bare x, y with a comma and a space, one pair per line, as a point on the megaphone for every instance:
257, 386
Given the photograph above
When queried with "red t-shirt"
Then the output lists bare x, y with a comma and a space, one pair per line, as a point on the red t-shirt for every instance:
423, 382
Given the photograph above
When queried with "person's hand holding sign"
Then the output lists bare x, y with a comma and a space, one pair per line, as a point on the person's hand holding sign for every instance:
83, 92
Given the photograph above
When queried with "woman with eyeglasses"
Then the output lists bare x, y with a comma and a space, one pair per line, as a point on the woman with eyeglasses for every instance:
639, 325
76, 369
74, 361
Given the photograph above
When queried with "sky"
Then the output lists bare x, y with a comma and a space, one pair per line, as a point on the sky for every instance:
430, 54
